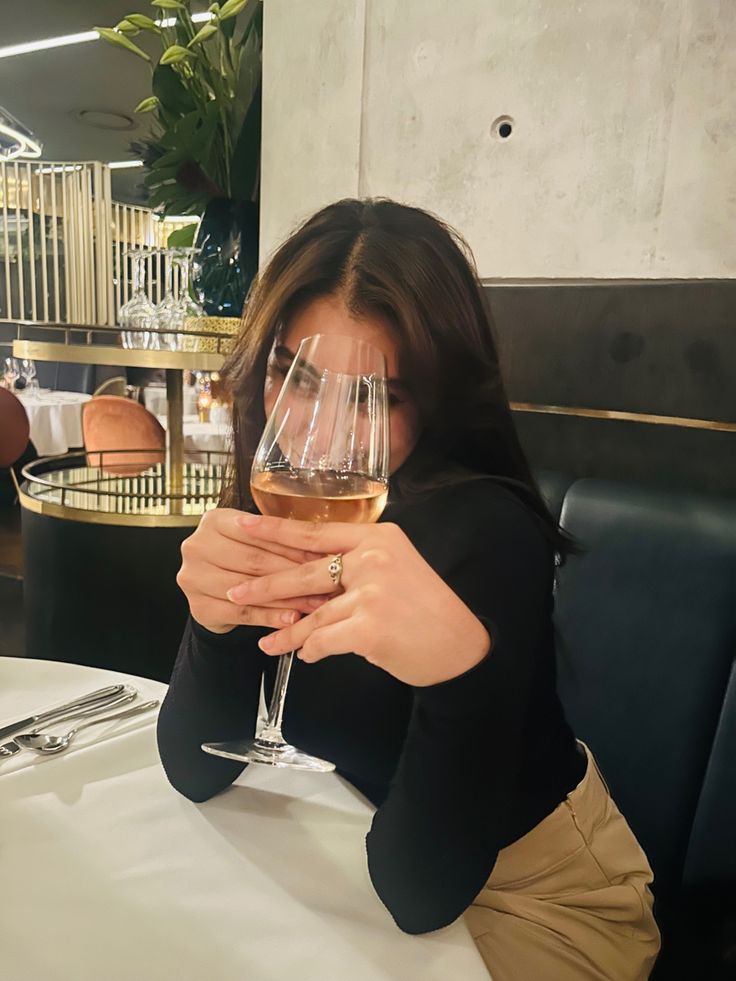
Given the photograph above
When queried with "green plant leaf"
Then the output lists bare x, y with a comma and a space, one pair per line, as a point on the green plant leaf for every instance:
182, 238
157, 175
170, 158
180, 136
250, 21
147, 105
214, 8
227, 28
171, 92
248, 77
143, 22
126, 27
113, 37
169, 4
185, 203
175, 54
207, 30
163, 194
231, 8
247, 153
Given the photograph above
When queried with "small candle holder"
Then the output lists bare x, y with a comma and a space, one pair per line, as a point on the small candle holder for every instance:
204, 404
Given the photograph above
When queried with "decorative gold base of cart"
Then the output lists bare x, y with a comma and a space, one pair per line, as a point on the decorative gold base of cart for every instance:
67, 487
101, 553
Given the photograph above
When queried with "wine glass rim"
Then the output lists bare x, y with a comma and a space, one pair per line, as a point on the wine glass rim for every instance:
356, 341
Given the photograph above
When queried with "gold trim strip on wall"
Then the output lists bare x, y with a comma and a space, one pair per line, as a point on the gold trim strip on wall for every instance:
681, 422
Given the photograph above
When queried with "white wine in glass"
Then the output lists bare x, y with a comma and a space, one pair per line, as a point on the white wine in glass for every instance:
323, 456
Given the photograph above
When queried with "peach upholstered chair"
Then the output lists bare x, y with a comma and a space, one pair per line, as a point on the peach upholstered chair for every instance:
14, 432
112, 423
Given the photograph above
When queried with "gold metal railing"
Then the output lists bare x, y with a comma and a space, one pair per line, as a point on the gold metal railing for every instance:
63, 242
69, 487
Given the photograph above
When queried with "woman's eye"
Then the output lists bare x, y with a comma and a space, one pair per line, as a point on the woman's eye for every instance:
302, 380
276, 368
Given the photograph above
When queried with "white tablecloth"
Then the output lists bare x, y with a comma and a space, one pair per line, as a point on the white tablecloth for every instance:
56, 420
107, 873
201, 436
154, 399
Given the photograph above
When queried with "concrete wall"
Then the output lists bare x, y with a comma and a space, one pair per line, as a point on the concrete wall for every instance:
622, 156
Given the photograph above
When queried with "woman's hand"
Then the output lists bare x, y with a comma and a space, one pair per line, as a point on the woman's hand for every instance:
393, 609
220, 555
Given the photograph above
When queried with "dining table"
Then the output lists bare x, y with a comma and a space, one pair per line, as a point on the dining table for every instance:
204, 436
55, 419
108, 872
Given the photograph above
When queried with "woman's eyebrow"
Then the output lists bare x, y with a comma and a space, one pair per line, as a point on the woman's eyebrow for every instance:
281, 350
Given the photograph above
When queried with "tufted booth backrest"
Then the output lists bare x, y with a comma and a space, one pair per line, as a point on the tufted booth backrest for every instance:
646, 623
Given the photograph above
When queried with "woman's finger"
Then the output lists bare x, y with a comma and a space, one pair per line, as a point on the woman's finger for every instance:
318, 537
337, 638
209, 611
238, 558
293, 637
227, 522
213, 583
309, 579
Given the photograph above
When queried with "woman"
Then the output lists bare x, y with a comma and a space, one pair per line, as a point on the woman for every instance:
428, 677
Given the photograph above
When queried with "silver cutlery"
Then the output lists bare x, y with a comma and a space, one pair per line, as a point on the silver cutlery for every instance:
45, 743
84, 701
126, 695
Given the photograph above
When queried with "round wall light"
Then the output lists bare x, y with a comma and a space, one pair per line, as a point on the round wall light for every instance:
105, 119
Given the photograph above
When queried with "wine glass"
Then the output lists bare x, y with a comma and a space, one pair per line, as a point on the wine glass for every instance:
188, 310
323, 456
28, 370
172, 311
137, 317
11, 373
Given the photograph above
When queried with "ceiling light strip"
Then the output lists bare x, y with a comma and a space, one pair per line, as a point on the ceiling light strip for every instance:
64, 40
28, 47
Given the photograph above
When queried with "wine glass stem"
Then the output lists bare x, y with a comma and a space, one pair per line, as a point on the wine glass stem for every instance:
138, 273
169, 275
184, 278
271, 732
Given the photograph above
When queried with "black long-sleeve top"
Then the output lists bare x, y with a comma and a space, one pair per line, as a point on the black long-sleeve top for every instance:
457, 770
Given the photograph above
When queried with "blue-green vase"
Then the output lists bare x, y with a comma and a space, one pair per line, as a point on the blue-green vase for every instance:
226, 259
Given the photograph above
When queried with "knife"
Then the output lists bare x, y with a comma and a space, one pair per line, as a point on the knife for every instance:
102, 695
128, 694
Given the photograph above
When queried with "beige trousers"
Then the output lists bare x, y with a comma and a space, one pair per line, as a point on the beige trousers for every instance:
570, 901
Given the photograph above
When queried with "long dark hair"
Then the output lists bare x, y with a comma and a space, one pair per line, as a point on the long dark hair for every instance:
405, 264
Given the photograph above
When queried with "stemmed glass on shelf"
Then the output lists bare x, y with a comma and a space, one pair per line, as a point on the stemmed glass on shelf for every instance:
137, 317
323, 456
168, 315
188, 310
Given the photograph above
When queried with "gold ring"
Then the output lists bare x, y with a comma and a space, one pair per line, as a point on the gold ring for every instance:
335, 569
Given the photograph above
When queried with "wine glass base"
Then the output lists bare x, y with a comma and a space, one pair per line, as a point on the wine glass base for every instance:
265, 753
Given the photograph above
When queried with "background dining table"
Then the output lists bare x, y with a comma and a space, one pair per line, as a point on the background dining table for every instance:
211, 436
108, 873
55, 419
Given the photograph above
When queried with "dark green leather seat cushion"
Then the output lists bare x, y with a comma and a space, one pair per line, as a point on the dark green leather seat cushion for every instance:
646, 623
